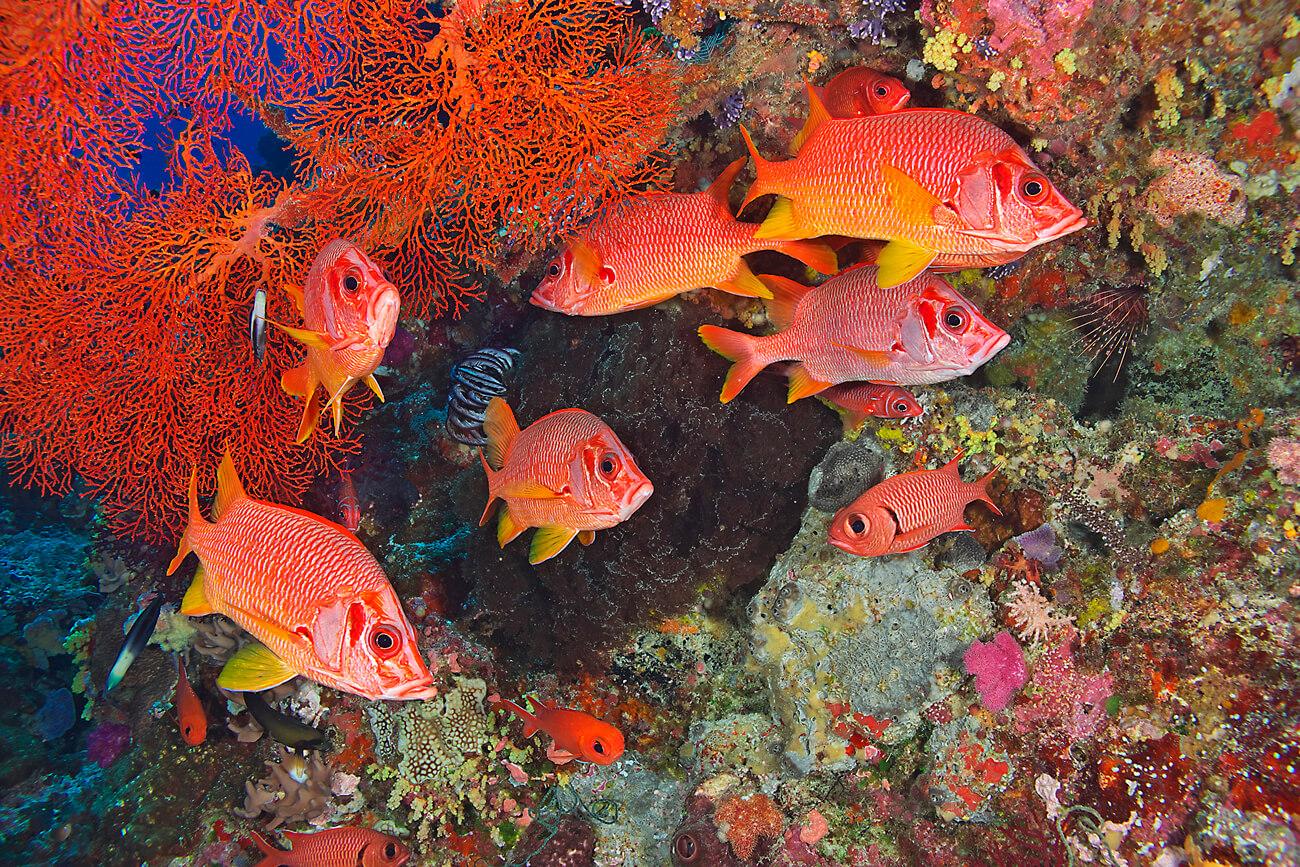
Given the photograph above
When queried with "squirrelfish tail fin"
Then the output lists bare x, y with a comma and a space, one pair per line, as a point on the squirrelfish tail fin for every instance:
720, 189
273, 855
982, 491
531, 724
762, 172
229, 488
501, 429
738, 347
184, 546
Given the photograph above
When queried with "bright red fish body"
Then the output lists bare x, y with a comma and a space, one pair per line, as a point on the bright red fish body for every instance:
652, 247
863, 400
190, 716
349, 312
850, 329
856, 92
946, 189
567, 474
906, 511
349, 505
576, 733
307, 590
335, 847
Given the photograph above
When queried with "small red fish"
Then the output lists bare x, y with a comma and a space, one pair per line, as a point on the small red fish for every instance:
335, 847
349, 505
906, 511
577, 735
349, 312
850, 329
862, 400
567, 474
856, 92
189, 710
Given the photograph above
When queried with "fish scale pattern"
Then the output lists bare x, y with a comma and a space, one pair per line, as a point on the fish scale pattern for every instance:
927, 498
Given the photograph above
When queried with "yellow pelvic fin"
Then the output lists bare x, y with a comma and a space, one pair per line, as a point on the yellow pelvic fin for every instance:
586, 259
786, 295
745, 283
254, 668
310, 417
900, 261
507, 528
195, 603
802, 384
229, 488
817, 115
500, 427
374, 386
780, 222
549, 541
586, 537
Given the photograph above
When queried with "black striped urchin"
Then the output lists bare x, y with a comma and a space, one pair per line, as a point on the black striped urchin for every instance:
1109, 321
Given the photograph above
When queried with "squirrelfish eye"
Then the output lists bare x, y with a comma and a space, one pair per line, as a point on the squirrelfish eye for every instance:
351, 284
608, 465
955, 319
685, 847
900, 407
857, 525
390, 850
385, 640
1033, 187
554, 270
881, 90
599, 748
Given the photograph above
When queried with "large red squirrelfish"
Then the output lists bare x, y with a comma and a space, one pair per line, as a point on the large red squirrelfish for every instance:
567, 474
306, 589
906, 511
862, 400
335, 847
850, 329
652, 247
944, 188
577, 734
349, 313
856, 92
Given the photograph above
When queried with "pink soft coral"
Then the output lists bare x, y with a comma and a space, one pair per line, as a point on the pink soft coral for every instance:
999, 669
1064, 697
1039, 28
1284, 458
1194, 184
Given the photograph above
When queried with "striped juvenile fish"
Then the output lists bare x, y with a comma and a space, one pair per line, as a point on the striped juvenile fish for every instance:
306, 589
906, 511
652, 247
944, 188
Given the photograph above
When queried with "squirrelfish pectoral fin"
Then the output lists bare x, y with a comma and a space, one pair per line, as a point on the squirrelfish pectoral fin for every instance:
900, 261
911, 201
527, 490
508, 529
374, 386
549, 541
878, 357
745, 283
295, 295
254, 668
500, 427
195, 603
586, 537
298, 381
802, 384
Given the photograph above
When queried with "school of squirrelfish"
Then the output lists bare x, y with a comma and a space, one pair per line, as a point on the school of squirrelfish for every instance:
929, 190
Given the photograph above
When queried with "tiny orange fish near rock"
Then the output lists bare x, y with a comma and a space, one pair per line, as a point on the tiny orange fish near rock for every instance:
349, 312
863, 400
306, 589
334, 847
652, 247
906, 511
567, 474
577, 734
856, 92
190, 716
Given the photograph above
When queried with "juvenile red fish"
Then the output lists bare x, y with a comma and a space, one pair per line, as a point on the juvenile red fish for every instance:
652, 247
334, 847
306, 589
567, 474
906, 511
190, 716
349, 314
850, 329
349, 505
577, 734
863, 400
856, 92
943, 188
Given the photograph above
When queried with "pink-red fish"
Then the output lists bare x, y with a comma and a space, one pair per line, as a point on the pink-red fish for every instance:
349, 313
906, 511
856, 92
306, 589
863, 400
190, 716
567, 474
577, 734
334, 847
349, 505
850, 329
652, 247
943, 188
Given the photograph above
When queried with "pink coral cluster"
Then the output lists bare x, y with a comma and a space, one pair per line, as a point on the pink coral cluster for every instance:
999, 669
1038, 29
1064, 697
1284, 458
1194, 183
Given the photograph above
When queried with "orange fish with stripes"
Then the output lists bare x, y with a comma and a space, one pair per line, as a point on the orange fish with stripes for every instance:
856, 92
308, 591
849, 329
577, 734
567, 474
944, 188
862, 400
906, 511
335, 847
349, 313
652, 247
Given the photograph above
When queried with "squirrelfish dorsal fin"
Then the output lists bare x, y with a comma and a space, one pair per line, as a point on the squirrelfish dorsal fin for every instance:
229, 488
720, 189
817, 115
786, 295
501, 429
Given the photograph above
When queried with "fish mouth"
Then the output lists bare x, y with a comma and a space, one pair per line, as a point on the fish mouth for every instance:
383, 315
541, 298
993, 346
1071, 222
415, 691
636, 499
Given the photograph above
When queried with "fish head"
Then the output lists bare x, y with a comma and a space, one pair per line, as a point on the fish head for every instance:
862, 91
862, 528
1006, 200
598, 741
355, 299
898, 402
384, 851
379, 657
948, 331
574, 282
610, 483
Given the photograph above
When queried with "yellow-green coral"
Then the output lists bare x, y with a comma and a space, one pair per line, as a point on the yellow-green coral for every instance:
941, 50
1169, 89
